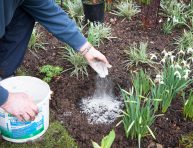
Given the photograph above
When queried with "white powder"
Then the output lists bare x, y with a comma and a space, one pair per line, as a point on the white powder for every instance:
102, 107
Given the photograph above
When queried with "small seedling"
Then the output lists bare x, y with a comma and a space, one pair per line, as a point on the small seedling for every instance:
106, 142
50, 72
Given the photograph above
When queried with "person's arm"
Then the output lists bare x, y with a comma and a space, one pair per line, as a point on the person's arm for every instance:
56, 21
3, 95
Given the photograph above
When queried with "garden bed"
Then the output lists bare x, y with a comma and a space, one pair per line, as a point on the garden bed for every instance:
68, 91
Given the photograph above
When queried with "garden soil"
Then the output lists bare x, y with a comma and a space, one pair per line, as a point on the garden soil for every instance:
68, 91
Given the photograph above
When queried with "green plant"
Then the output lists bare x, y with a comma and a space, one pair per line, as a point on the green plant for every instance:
176, 11
185, 41
168, 26
126, 9
106, 142
142, 83
173, 82
74, 9
77, 60
35, 40
50, 72
138, 115
97, 32
188, 107
137, 55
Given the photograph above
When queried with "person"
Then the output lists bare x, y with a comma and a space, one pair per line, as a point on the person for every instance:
17, 18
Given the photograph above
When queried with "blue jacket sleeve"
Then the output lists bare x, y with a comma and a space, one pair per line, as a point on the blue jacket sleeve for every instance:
56, 21
3, 95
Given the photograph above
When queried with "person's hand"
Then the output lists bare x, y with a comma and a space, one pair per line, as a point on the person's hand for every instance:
91, 54
21, 106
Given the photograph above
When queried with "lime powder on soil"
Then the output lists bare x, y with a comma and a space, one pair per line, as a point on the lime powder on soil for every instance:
103, 107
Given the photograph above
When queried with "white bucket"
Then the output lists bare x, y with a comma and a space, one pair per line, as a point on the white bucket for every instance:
15, 131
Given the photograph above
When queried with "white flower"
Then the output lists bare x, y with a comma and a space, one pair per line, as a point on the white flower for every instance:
191, 59
164, 52
172, 58
181, 52
187, 66
170, 53
175, 20
158, 78
187, 71
177, 66
172, 66
177, 74
153, 56
161, 82
184, 63
163, 60
190, 50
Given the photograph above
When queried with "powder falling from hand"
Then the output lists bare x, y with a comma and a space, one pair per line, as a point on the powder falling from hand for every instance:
103, 107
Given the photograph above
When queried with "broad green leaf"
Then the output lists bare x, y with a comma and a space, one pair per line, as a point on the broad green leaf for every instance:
107, 141
95, 145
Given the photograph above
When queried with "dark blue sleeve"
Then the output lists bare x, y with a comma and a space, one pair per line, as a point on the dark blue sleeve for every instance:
56, 21
3, 95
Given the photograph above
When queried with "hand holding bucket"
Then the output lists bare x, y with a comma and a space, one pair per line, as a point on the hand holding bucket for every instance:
21, 106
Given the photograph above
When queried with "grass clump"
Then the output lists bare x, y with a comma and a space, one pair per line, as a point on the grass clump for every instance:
97, 32
188, 107
79, 63
74, 9
138, 115
185, 41
175, 11
35, 40
50, 72
137, 54
142, 83
126, 9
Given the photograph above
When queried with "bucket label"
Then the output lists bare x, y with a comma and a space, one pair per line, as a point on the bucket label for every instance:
15, 129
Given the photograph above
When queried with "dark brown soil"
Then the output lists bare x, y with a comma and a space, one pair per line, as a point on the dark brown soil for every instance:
69, 90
